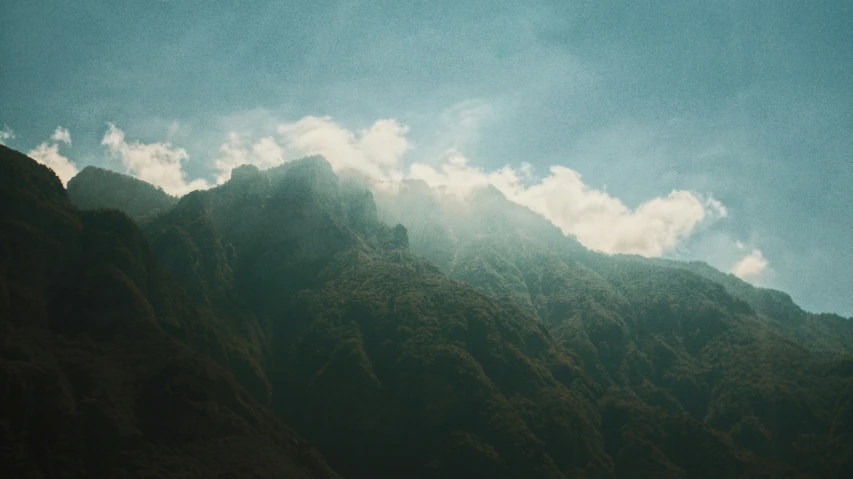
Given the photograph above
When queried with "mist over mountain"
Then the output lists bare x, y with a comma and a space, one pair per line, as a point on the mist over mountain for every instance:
292, 322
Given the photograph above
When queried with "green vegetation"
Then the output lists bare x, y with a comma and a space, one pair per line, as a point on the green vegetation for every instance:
471, 340
100, 355
96, 188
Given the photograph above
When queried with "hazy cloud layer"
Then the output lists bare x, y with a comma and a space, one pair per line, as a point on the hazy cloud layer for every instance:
160, 164
48, 155
750, 266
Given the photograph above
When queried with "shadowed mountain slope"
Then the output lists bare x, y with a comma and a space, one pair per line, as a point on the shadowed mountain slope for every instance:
475, 340
101, 376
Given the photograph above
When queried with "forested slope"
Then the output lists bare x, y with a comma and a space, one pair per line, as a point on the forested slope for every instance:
472, 340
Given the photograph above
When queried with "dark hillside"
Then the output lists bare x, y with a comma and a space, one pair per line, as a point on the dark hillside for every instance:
95, 386
505, 350
675, 338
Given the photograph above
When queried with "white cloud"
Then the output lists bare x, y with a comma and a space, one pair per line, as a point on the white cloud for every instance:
157, 163
6, 134
598, 220
453, 177
61, 135
750, 266
48, 155
376, 152
265, 153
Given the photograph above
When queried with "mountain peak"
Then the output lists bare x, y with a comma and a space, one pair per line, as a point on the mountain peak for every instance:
98, 188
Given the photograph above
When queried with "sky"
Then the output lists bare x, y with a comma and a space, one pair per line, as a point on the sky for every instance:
720, 131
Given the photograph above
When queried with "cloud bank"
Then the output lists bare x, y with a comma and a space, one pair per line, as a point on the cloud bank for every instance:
598, 220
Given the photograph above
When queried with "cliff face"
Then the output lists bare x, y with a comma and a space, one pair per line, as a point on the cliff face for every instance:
472, 340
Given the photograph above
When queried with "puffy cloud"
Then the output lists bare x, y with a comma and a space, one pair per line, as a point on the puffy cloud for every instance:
750, 266
160, 164
265, 153
6, 134
48, 155
604, 223
61, 135
598, 220
376, 152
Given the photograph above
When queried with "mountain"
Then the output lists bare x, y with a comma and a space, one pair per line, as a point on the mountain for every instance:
679, 336
470, 339
101, 376
95, 188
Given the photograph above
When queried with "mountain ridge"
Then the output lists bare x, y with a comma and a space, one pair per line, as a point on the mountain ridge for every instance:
477, 344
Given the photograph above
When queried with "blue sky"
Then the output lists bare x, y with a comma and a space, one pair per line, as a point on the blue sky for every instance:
745, 103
